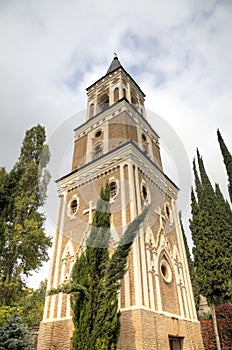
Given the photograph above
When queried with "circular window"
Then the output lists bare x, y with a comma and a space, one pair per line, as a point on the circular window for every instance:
165, 270
73, 206
98, 133
113, 189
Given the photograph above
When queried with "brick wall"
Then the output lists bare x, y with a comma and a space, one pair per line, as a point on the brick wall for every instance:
55, 335
146, 330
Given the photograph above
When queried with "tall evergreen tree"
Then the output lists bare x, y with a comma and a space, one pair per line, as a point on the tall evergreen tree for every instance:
211, 232
22, 193
227, 157
191, 267
95, 282
13, 335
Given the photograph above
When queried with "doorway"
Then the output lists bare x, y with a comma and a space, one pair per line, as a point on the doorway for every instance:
175, 343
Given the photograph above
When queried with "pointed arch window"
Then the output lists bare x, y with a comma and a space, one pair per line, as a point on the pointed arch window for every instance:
103, 103
145, 144
113, 189
124, 92
98, 150
168, 213
134, 100
91, 110
116, 94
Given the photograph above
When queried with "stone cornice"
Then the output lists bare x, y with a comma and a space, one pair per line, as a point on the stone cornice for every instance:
123, 154
114, 110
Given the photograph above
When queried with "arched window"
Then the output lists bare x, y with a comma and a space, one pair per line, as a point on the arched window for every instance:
91, 110
124, 92
73, 206
145, 148
134, 100
98, 150
116, 94
103, 103
144, 138
113, 189
145, 144
145, 193
168, 213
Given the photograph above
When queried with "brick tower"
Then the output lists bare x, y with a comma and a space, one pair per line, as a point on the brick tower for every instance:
117, 144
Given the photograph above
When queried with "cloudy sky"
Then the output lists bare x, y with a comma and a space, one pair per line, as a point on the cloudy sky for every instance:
178, 51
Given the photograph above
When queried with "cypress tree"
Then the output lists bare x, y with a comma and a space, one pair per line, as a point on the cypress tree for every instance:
211, 232
227, 157
13, 335
95, 282
191, 267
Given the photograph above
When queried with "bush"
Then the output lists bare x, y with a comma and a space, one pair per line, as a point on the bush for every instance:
224, 322
13, 335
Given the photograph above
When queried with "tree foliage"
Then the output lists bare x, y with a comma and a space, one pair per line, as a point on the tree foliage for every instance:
227, 157
6, 312
23, 243
13, 335
192, 270
224, 321
32, 305
95, 282
211, 227
29, 306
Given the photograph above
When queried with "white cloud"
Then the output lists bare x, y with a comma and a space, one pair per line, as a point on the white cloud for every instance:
179, 52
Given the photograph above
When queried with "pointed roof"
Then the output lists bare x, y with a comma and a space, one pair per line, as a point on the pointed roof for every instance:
114, 64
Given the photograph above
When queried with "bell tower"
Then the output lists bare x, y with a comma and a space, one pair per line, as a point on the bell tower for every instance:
118, 145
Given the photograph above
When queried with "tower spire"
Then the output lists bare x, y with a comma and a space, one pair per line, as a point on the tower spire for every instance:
114, 64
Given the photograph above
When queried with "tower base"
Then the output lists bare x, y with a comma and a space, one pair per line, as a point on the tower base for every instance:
143, 329
55, 335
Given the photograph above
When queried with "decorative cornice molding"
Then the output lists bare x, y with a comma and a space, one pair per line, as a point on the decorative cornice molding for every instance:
114, 110
125, 153
164, 313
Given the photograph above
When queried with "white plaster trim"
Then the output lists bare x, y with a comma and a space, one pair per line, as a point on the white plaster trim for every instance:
126, 153
168, 314
135, 248
52, 258
58, 257
57, 319
141, 242
186, 276
68, 306
124, 223
52, 307
59, 308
